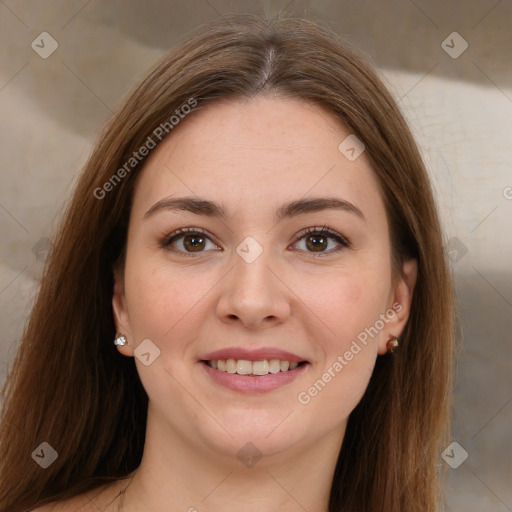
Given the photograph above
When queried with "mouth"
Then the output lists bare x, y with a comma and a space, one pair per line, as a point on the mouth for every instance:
255, 371
250, 368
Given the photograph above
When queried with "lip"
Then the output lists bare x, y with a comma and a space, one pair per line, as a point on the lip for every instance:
258, 354
253, 384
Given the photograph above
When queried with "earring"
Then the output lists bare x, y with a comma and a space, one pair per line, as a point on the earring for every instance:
392, 344
120, 341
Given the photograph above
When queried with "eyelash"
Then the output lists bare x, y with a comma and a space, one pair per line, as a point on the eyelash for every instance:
320, 231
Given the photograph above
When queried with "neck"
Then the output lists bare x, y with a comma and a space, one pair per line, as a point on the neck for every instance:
174, 474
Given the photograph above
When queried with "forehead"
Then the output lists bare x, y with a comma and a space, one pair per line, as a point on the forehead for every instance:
263, 151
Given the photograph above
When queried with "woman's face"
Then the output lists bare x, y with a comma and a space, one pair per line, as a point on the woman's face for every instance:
254, 279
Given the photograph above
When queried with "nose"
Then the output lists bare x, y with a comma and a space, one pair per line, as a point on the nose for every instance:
253, 295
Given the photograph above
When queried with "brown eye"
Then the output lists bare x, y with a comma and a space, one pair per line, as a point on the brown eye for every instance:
188, 241
316, 242
194, 243
321, 241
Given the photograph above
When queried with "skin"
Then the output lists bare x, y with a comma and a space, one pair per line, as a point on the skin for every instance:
252, 157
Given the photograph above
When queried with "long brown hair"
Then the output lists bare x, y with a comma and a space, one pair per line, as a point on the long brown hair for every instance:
69, 387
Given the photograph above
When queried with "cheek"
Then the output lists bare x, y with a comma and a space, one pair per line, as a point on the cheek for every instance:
349, 306
346, 304
167, 308
161, 302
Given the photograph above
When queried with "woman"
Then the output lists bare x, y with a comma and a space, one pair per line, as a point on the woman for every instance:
248, 303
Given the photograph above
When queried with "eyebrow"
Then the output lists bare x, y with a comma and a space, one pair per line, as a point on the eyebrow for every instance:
208, 208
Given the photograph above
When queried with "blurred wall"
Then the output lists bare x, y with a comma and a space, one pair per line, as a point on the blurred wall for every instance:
457, 99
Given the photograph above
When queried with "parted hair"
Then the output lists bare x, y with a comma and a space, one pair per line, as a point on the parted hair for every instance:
69, 387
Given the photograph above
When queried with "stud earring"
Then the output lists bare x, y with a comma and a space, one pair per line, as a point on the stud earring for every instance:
120, 341
392, 344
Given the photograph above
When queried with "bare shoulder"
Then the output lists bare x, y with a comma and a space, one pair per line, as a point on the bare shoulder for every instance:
81, 503
72, 504
68, 505
92, 501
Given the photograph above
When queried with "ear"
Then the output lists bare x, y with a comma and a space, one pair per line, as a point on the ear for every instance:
121, 316
399, 304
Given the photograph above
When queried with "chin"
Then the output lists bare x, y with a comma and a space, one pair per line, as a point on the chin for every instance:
267, 433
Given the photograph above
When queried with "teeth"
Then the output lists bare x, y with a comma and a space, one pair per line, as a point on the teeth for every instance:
274, 366
259, 367
245, 367
231, 366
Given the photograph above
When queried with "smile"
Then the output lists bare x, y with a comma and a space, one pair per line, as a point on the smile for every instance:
253, 377
252, 368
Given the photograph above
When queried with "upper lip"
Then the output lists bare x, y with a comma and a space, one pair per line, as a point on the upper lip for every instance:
258, 354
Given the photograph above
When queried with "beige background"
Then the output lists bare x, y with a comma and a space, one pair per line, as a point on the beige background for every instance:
460, 110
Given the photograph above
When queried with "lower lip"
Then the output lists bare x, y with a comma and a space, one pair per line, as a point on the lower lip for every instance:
254, 384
